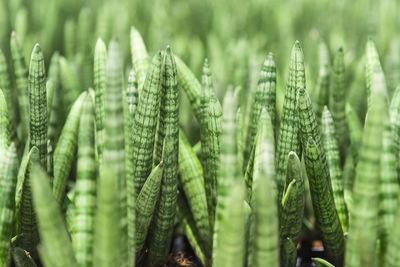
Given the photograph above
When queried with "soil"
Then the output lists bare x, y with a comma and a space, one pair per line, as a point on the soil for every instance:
183, 254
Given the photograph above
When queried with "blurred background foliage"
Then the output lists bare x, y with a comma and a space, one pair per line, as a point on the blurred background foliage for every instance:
235, 36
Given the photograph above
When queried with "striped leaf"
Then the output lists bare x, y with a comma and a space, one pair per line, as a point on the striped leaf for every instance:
332, 157
210, 132
264, 130
229, 229
114, 144
288, 139
190, 85
107, 238
186, 217
21, 84
363, 224
130, 98
144, 129
265, 96
320, 188
191, 176
4, 122
168, 130
140, 59
394, 116
8, 178
27, 218
229, 245
372, 62
22, 173
55, 112
338, 103
143, 138
64, 153
85, 188
9, 95
49, 98
100, 57
264, 237
132, 93
389, 191
323, 203
37, 104
145, 206
169, 108
392, 257
53, 234
291, 219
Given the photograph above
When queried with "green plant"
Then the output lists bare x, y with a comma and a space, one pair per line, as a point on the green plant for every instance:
107, 157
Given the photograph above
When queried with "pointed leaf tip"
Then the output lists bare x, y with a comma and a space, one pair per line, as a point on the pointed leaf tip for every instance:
37, 48
292, 154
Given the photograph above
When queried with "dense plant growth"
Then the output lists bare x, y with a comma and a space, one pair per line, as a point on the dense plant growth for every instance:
111, 148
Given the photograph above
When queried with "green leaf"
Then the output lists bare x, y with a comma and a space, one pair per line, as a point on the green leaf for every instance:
100, 57
186, 217
291, 218
322, 89
21, 84
229, 245
363, 219
114, 143
389, 191
338, 103
27, 219
85, 187
321, 262
229, 229
64, 153
37, 104
288, 139
145, 206
8, 178
4, 122
107, 236
55, 112
355, 130
265, 96
210, 132
144, 129
332, 157
191, 180
168, 130
9, 95
323, 204
140, 59
69, 83
53, 234
264, 235
190, 85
